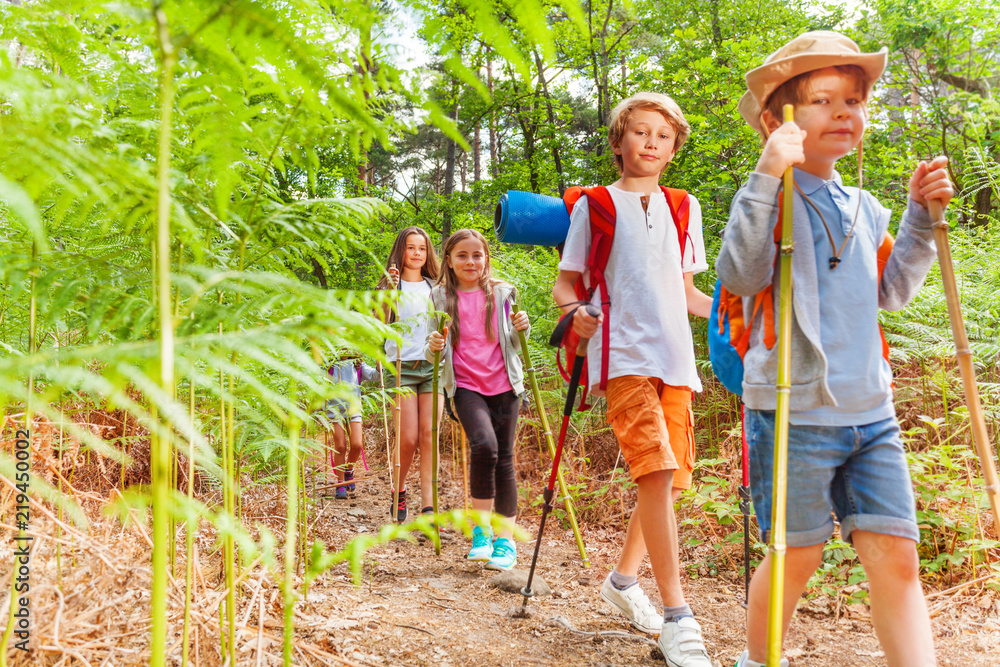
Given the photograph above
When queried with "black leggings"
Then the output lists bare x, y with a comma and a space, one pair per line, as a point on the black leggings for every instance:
490, 423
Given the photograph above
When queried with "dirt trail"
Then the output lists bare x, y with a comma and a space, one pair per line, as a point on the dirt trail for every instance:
412, 607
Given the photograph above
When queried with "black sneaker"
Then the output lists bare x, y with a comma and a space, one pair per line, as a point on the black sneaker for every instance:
427, 510
400, 508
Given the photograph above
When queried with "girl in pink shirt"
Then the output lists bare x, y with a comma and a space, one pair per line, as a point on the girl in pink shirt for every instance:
482, 372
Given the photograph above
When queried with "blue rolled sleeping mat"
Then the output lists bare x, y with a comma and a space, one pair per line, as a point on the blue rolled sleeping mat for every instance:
527, 218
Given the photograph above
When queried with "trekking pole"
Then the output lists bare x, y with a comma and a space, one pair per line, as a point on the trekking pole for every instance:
745, 507
536, 393
963, 354
779, 472
574, 382
434, 437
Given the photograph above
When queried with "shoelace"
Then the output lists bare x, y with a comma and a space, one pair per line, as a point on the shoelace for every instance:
505, 551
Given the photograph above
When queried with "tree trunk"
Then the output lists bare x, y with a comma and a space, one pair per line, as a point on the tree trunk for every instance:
464, 168
449, 172
364, 70
983, 206
552, 120
476, 148
494, 140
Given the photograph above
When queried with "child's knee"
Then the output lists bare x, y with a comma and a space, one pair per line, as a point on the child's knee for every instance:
887, 556
802, 562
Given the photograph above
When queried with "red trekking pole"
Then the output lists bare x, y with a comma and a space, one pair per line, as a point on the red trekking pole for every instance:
745, 506
574, 383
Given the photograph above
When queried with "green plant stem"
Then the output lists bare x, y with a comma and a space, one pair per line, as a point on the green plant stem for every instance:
290, 538
189, 533
32, 340
160, 447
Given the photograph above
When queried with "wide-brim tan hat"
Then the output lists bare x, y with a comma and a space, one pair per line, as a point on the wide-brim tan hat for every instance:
807, 52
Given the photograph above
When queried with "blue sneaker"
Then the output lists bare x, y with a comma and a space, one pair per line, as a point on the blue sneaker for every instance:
349, 477
482, 544
340, 493
504, 555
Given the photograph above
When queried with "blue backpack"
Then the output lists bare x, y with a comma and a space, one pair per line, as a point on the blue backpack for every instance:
729, 327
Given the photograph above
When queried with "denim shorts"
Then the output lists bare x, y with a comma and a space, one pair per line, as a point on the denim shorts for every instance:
340, 411
858, 472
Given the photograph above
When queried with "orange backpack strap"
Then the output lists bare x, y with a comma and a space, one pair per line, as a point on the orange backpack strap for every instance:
884, 250
571, 196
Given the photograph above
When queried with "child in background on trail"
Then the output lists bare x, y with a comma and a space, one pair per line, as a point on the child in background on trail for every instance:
844, 447
482, 372
414, 252
651, 364
345, 414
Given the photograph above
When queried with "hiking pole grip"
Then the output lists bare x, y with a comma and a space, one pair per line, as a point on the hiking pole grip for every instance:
581, 355
963, 354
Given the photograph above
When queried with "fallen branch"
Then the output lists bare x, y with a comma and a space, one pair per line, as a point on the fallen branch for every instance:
611, 634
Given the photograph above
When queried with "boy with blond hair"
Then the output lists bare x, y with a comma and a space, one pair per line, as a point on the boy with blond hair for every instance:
845, 454
650, 356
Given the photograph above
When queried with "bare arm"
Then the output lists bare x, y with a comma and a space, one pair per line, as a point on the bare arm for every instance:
565, 296
698, 302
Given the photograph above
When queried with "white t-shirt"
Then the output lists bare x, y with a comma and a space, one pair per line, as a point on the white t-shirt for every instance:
650, 334
414, 314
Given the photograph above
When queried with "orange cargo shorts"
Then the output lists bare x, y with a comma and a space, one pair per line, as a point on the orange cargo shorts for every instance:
654, 426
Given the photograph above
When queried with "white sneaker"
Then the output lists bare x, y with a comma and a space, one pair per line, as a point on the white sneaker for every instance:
635, 605
682, 645
745, 661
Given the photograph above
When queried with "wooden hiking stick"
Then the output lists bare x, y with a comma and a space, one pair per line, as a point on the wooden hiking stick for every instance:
465, 471
536, 393
963, 355
398, 424
399, 436
434, 437
779, 472
385, 418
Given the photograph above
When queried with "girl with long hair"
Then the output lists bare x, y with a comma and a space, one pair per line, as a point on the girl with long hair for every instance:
482, 373
411, 269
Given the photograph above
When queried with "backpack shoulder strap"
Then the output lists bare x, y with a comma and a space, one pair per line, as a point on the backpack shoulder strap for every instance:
602, 236
680, 210
571, 196
884, 250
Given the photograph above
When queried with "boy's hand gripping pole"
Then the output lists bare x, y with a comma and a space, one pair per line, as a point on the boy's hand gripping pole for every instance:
779, 473
963, 353
434, 436
574, 383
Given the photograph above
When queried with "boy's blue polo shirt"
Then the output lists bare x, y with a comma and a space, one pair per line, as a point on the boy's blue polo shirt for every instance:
858, 376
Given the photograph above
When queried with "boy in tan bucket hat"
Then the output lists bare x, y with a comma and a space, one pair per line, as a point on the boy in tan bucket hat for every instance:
845, 454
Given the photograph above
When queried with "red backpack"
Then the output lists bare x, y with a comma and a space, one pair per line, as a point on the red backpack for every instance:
602, 236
